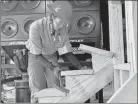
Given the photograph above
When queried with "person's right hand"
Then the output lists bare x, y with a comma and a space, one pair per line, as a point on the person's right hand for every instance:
56, 70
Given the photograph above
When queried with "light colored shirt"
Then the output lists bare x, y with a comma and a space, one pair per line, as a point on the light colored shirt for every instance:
42, 42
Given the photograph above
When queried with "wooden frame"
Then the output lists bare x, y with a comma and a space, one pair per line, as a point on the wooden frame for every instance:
116, 40
130, 84
93, 50
131, 34
125, 66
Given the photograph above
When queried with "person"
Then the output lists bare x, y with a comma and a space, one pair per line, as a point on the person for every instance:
49, 37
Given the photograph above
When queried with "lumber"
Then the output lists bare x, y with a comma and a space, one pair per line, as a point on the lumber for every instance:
116, 39
77, 72
100, 61
49, 92
78, 79
125, 66
87, 88
131, 35
90, 50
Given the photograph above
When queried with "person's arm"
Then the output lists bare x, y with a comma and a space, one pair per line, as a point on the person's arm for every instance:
69, 55
72, 58
44, 62
35, 46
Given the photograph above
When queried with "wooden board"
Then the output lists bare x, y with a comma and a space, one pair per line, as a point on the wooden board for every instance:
77, 72
49, 92
125, 66
84, 90
135, 24
100, 61
116, 39
48, 99
131, 36
89, 49
127, 93
76, 80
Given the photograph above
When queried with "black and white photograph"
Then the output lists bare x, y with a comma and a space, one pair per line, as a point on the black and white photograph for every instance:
68, 51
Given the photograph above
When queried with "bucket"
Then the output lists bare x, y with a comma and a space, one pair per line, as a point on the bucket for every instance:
22, 91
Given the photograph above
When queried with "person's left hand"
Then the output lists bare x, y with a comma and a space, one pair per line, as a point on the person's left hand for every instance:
86, 68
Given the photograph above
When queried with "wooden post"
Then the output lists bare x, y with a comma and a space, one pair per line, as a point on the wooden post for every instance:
100, 58
131, 34
116, 40
135, 23
135, 29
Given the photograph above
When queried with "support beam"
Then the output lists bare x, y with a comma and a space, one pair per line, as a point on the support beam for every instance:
77, 72
135, 8
100, 58
125, 66
49, 92
89, 87
116, 39
100, 61
90, 50
131, 29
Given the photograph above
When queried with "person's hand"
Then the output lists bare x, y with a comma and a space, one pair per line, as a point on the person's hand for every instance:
64, 90
85, 68
56, 69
